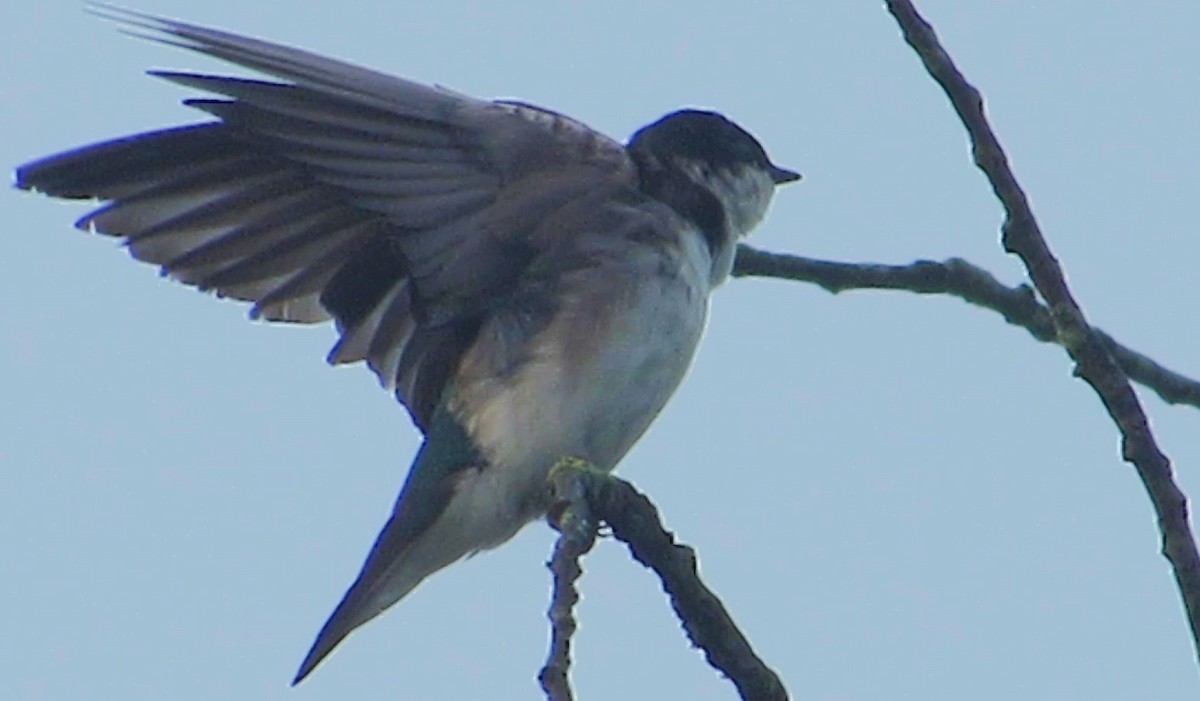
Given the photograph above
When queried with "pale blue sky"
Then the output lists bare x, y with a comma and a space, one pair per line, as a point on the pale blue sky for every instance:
898, 497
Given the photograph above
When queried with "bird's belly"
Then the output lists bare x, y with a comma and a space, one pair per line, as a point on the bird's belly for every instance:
595, 378
623, 386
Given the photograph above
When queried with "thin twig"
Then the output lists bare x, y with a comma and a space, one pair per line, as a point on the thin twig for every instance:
956, 277
1022, 236
571, 516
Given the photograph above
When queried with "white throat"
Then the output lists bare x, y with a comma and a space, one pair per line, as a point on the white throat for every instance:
744, 192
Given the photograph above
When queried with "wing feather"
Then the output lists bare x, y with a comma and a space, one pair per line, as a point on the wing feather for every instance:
402, 211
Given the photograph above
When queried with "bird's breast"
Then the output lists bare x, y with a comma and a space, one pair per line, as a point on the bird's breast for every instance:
590, 381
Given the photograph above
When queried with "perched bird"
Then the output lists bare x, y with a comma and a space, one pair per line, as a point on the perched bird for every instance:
529, 288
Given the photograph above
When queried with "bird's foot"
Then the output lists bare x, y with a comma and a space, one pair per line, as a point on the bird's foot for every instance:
569, 480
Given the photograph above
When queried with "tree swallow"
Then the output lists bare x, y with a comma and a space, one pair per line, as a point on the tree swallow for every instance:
529, 288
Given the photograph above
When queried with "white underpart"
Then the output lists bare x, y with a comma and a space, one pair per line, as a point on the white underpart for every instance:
598, 376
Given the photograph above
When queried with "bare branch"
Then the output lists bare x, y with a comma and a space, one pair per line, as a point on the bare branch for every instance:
634, 521
957, 278
1022, 236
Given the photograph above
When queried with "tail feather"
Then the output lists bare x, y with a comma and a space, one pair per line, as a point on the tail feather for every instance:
360, 604
429, 529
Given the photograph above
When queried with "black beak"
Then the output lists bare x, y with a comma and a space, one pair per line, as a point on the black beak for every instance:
782, 175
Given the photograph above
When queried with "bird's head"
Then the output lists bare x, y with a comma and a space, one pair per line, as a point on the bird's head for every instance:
716, 154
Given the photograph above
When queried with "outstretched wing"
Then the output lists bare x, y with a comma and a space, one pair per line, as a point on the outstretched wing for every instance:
400, 210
